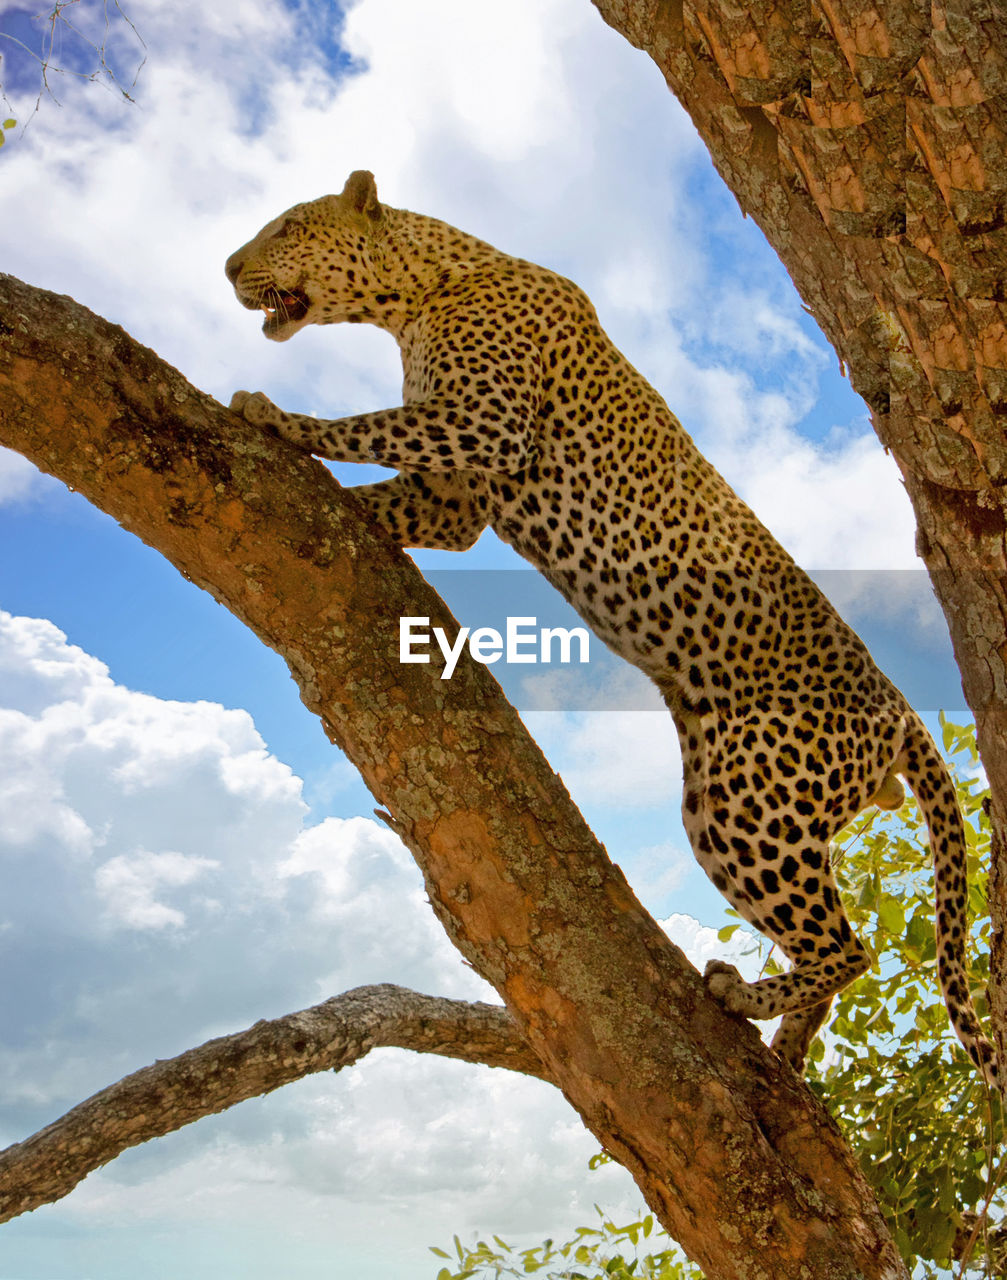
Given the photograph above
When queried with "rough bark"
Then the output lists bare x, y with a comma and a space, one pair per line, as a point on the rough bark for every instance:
176, 1091
868, 139
728, 1147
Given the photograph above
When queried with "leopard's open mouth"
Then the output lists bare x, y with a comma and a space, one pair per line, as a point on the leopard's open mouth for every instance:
283, 307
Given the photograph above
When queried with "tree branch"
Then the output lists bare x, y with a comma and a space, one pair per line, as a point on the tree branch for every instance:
174, 1092
729, 1148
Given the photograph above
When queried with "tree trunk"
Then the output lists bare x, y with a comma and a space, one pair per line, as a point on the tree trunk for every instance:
729, 1148
868, 139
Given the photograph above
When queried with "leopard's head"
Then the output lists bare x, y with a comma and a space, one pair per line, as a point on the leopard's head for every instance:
314, 264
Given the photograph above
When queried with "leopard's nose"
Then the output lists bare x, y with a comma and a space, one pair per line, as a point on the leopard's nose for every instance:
232, 268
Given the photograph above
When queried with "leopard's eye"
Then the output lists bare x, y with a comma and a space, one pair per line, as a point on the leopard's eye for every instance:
286, 229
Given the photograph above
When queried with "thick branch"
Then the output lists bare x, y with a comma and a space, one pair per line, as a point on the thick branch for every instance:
728, 1147
176, 1091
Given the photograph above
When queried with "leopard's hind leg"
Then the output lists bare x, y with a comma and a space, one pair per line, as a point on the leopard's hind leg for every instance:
788, 891
765, 845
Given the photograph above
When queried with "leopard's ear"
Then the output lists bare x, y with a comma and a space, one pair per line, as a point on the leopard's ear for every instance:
361, 194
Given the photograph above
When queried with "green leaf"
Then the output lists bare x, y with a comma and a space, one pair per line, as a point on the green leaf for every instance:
919, 930
726, 933
9, 124
946, 1195
891, 914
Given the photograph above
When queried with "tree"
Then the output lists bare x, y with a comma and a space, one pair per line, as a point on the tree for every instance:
732, 1153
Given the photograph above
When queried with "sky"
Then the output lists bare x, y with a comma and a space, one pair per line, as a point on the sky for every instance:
182, 851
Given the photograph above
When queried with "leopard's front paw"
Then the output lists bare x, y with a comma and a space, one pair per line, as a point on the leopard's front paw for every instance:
256, 408
724, 983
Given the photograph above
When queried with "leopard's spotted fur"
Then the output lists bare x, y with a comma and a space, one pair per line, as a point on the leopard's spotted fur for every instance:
519, 413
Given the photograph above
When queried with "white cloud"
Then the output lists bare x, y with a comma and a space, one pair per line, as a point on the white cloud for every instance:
621, 758
18, 477
657, 870
198, 903
499, 105
903, 598
701, 945
39, 668
840, 507
356, 885
433, 1145
755, 324
127, 884
119, 810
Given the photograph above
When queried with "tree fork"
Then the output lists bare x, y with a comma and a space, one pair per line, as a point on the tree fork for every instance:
728, 1147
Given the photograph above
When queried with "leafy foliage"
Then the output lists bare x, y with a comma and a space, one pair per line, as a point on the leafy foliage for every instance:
914, 1110
593, 1253
923, 1125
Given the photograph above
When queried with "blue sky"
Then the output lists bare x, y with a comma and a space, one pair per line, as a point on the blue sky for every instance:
182, 851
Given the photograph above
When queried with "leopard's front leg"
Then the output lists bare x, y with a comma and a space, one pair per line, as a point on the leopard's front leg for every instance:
442, 509
478, 415
439, 434
298, 428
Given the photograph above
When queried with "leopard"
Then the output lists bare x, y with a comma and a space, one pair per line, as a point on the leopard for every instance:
519, 414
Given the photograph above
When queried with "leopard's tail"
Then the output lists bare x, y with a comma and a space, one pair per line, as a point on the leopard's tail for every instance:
928, 777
